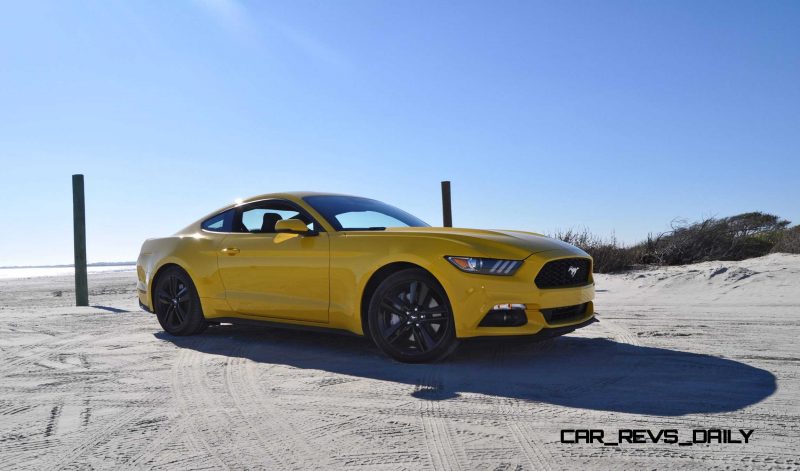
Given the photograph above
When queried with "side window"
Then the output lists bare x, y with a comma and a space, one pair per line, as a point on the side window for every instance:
262, 217
367, 219
222, 222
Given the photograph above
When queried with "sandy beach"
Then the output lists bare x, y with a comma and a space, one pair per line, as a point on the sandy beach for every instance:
705, 346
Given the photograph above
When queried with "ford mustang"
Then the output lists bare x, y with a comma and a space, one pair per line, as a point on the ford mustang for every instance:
358, 265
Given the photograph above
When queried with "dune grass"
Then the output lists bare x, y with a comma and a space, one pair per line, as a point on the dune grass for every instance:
738, 237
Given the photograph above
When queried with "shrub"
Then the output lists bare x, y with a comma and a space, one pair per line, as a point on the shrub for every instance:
789, 241
609, 256
738, 237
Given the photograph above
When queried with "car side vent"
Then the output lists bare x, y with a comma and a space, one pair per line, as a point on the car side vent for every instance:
564, 273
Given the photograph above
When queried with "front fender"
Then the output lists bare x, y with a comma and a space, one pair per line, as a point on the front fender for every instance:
356, 257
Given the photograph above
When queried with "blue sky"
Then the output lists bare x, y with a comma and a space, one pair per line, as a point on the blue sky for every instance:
617, 116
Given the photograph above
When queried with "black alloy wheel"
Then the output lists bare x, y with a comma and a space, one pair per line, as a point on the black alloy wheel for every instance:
177, 305
410, 318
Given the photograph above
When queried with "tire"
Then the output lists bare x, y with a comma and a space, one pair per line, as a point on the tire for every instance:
410, 318
177, 304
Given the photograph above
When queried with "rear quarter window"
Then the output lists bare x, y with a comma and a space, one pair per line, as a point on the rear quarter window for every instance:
222, 222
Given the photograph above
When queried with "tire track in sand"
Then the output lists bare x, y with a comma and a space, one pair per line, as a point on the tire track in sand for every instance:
438, 436
100, 434
193, 407
281, 434
536, 455
235, 378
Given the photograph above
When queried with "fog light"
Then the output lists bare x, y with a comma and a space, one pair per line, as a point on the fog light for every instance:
504, 307
505, 315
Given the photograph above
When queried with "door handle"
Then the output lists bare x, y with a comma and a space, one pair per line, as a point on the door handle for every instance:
230, 250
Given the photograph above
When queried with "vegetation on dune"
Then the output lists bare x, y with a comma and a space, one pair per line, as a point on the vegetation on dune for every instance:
789, 242
608, 254
738, 237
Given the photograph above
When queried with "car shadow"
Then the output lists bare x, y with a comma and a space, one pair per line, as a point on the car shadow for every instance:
580, 372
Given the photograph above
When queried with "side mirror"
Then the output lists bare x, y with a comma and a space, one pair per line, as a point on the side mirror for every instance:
294, 226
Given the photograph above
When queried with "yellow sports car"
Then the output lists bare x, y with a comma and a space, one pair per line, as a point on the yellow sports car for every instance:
362, 266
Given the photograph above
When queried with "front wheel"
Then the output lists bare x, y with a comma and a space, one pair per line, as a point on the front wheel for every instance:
410, 318
177, 304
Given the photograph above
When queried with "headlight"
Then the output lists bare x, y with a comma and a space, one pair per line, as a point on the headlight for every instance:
485, 266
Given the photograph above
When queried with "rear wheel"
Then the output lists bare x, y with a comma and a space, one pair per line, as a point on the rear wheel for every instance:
177, 305
410, 318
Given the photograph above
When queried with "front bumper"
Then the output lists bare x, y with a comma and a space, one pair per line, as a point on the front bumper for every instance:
473, 296
550, 332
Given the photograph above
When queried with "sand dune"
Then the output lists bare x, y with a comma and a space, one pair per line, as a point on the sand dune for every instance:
711, 345
772, 278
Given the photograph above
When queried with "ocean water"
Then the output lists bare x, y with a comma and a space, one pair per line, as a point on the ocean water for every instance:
36, 272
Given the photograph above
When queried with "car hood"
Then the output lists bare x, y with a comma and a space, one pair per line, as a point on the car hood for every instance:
489, 241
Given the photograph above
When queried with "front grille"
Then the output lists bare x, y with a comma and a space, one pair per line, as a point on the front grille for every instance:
564, 314
564, 273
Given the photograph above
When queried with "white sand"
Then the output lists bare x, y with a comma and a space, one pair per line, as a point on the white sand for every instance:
713, 345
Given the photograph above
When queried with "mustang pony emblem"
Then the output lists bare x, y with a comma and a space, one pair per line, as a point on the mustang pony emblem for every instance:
573, 271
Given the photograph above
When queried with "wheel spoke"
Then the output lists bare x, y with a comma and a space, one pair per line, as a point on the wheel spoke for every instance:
423, 295
394, 308
412, 293
391, 329
419, 340
427, 341
426, 303
169, 314
171, 283
179, 313
180, 294
398, 333
433, 311
164, 298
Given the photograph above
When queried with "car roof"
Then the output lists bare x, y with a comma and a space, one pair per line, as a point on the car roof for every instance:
289, 195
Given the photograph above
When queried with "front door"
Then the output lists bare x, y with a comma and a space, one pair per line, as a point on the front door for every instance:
281, 276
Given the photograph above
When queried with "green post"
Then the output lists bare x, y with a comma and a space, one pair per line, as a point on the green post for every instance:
79, 226
447, 212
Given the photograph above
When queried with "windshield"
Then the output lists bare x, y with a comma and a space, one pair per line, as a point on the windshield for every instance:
351, 213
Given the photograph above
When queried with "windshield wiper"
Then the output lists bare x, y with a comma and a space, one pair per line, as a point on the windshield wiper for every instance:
374, 228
